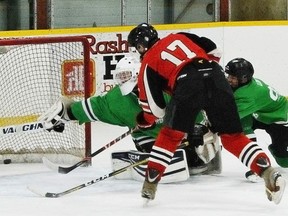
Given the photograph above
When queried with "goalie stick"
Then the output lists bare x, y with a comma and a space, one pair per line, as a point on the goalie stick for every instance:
29, 127
60, 194
65, 170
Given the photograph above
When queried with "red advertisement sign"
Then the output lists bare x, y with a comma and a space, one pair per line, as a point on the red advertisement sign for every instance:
73, 83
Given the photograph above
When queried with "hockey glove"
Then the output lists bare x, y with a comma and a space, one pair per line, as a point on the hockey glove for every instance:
57, 128
204, 142
143, 123
57, 115
209, 149
196, 138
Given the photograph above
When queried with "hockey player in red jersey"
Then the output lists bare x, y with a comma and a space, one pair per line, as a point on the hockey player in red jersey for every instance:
185, 66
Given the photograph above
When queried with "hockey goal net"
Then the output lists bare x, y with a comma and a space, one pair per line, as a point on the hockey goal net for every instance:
34, 73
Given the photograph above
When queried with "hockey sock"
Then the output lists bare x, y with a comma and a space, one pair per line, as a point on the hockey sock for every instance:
164, 148
248, 152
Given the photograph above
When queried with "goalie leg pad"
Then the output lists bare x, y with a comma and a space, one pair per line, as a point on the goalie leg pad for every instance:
175, 172
210, 154
120, 160
215, 165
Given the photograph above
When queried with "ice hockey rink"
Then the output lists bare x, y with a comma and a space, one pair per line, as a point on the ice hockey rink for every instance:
226, 194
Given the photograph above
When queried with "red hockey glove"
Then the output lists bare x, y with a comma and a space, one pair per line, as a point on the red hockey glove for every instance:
143, 123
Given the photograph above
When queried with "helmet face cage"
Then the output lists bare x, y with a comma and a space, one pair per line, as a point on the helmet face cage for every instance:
122, 77
126, 73
240, 68
142, 37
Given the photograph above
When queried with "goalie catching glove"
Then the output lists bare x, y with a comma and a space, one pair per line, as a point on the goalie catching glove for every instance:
57, 115
209, 149
205, 142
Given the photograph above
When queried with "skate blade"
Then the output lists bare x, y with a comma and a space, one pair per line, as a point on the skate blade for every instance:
145, 202
146, 199
276, 196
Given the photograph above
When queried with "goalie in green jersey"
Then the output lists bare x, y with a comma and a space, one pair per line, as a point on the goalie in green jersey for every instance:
260, 107
120, 107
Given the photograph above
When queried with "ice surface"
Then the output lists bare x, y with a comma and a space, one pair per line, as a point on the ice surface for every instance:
227, 194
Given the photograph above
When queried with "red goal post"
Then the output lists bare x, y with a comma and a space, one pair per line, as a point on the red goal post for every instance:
35, 72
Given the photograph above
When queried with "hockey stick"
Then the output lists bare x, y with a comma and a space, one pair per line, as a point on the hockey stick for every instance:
65, 170
29, 127
60, 194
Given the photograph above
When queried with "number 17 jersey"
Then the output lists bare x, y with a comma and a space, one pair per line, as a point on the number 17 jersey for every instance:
159, 69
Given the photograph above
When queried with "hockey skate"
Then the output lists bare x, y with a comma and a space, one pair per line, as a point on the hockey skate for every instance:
274, 182
150, 184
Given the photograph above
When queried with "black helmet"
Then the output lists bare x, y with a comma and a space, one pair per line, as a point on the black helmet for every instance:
240, 68
142, 37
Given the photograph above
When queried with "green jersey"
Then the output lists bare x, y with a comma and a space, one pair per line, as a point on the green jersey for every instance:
262, 102
116, 109
112, 108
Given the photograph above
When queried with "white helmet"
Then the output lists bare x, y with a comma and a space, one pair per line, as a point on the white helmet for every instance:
126, 74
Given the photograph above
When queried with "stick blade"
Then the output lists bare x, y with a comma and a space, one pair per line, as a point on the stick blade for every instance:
50, 164
35, 191
41, 193
60, 169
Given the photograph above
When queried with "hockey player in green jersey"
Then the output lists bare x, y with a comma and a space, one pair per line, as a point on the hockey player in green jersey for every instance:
260, 107
120, 107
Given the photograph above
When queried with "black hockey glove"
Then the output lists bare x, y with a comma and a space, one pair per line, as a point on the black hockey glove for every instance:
57, 128
196, 138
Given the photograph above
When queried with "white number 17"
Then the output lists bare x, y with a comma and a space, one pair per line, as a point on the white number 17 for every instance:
172, 47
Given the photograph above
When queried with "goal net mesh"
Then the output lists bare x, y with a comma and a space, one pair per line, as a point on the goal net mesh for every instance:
33, 76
